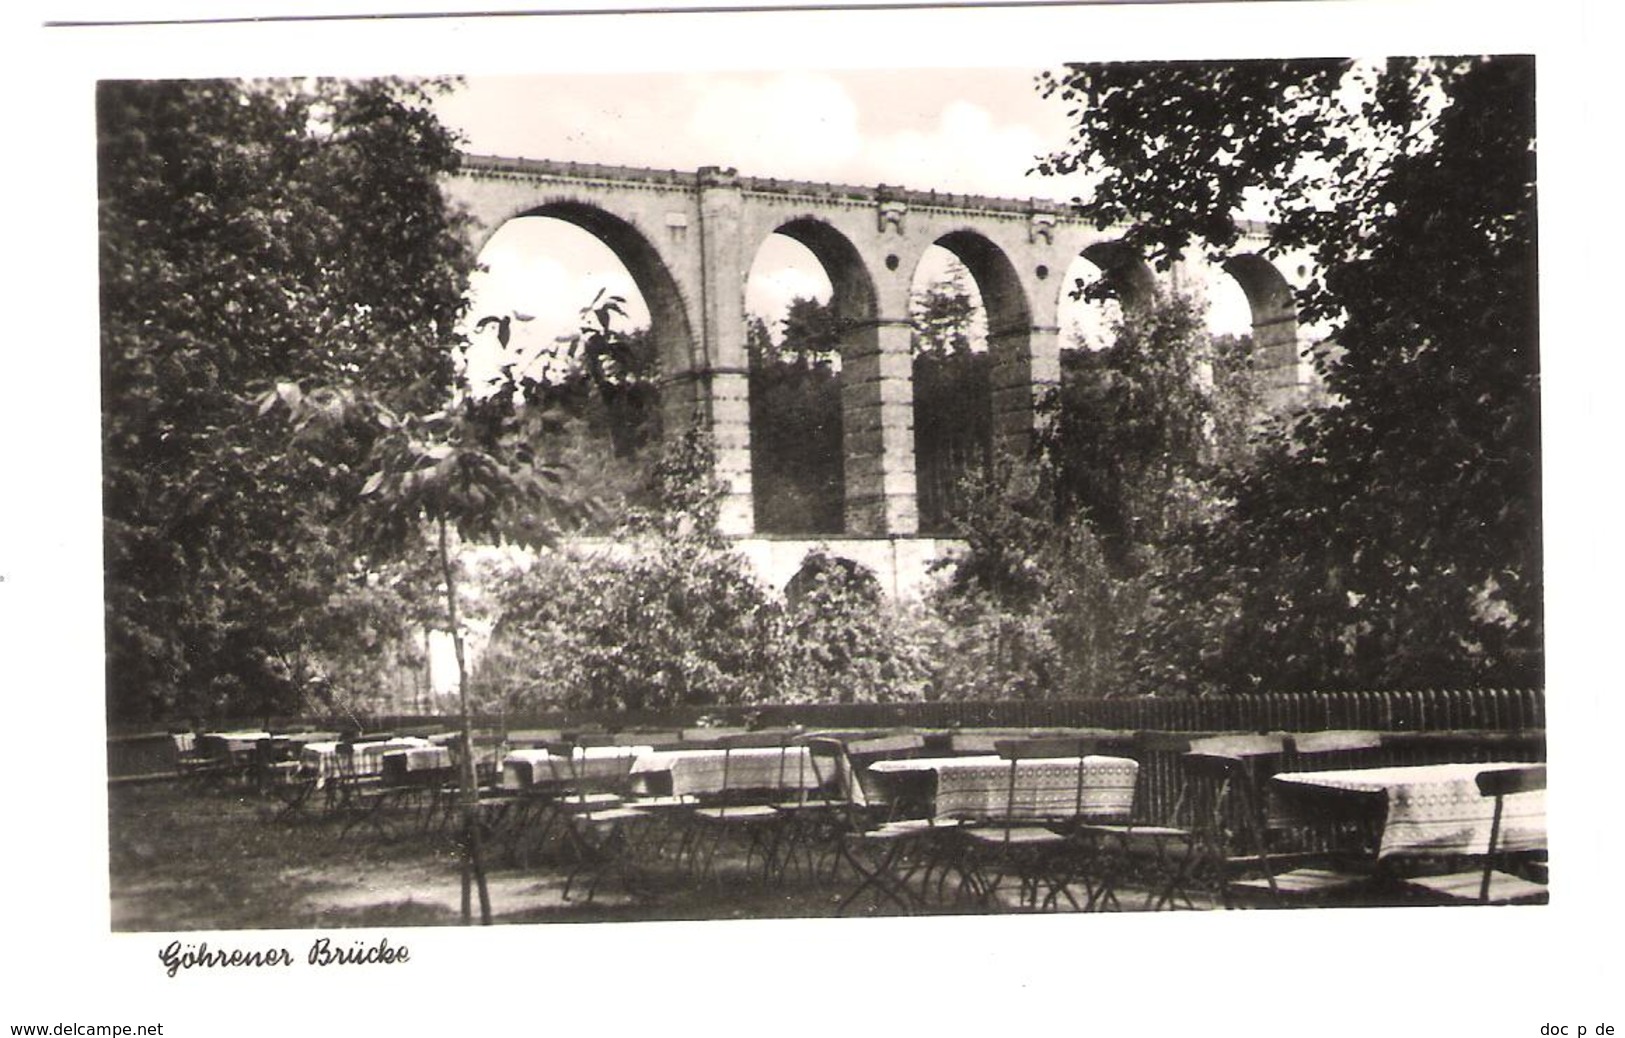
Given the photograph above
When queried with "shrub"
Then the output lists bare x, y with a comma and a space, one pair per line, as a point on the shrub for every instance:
671, 624
841, 641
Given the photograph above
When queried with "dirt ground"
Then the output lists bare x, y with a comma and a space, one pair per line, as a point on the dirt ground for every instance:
188, 857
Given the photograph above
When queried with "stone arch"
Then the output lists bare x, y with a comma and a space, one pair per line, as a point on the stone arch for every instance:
866, 382
1009, 336
1125, 271
796, 453
987, 398
852, 288
1275, 328
668, 314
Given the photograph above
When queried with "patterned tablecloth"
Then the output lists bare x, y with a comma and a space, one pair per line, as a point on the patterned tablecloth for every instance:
1437, 809
322, 758
1047, 787
699, 772
522, 769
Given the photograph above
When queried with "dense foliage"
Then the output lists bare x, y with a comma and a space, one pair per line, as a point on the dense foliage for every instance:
1059, 545
797, 465
667, 615
1130, 434
253, 234
953, 398
1391, 538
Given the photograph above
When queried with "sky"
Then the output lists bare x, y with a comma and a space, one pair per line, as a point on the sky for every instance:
970, 130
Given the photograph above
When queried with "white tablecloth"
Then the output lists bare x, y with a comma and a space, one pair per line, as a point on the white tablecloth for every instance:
700, 772
529, 767
1437, 809
1045, 787
233, 743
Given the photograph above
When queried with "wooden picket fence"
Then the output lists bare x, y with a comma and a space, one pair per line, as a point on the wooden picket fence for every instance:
1487, 723
1493, 709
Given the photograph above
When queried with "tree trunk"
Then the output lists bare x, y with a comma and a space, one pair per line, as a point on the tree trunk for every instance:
468, 779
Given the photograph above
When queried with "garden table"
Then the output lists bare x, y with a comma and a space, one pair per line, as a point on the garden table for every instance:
523, 769
1045, 787
1431, 809
230, 745
322, 758
417, 765
422, 758
700, 772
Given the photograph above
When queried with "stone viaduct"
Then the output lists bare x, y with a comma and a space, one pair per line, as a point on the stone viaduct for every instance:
688, 239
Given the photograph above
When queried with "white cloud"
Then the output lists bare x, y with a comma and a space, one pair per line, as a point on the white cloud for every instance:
795, 125
966, 151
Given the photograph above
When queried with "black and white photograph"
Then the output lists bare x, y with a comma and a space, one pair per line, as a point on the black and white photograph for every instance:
653, 503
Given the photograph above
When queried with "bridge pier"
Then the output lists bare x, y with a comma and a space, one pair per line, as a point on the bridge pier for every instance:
877, 415
688, 240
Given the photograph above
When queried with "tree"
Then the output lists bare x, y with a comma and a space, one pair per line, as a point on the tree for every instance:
944, 314
953, 403
812, 331
1391, 537
1060, 547
252, 233
1034, 609
676, 620
473, 469
797, 461
1131, 430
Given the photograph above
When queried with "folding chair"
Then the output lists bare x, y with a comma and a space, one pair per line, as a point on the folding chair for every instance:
884, 850
1028, 839
280, 776
357, 794
742, 810
1322, 848
596, 821
808, 809
1239, 853
1487, 884
1153, 849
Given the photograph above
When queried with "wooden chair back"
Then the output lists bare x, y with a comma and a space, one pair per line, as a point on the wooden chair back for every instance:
1502, 782
843, 764
1046, 746
1240, 745
1043, 748
1335, 750
1345, 740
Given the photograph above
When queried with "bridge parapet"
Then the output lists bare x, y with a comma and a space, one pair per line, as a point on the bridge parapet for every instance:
809, 189
1046, 214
